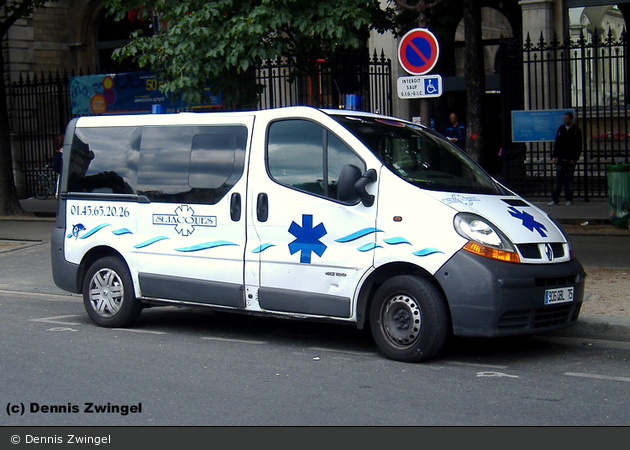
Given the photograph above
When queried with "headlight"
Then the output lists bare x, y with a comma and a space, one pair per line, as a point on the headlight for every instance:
484, 239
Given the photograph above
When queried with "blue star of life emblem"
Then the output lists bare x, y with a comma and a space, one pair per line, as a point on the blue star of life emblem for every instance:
528, 221
307, 239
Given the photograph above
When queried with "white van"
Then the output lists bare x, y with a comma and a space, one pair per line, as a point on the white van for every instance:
309, 214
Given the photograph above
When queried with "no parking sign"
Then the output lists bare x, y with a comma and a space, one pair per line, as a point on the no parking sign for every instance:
418, 51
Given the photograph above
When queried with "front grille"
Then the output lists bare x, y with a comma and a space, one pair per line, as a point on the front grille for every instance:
515, 320
555, 315
539, 318
555, 282
532, 251
529, 251
558, 250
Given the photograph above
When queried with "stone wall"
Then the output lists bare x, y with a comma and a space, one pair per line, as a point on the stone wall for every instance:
58, 37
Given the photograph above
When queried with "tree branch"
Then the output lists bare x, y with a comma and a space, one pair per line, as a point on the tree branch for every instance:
21, 11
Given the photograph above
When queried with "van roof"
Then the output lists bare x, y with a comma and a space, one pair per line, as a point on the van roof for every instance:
201, 118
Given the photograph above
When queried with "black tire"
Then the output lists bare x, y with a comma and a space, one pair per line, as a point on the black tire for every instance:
108, 294
409, 319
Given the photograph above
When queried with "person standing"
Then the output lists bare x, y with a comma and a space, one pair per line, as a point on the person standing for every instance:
566, 152
456, 131
57, 162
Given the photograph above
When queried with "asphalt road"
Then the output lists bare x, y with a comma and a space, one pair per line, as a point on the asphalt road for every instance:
195, 367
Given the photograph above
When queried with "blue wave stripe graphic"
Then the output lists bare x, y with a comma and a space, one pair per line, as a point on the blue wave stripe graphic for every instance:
94, 230
69, 236
358, 235
427, 251
368, 247
121, 231
205, 246
262, 248
396, 241
150, 241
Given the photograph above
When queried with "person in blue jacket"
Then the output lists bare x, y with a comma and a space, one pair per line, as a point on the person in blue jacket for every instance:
456, 131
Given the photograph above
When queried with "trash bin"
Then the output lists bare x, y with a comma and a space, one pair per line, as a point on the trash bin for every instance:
618, 193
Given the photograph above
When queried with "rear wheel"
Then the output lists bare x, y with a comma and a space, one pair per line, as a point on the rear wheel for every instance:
108, 294
409, 319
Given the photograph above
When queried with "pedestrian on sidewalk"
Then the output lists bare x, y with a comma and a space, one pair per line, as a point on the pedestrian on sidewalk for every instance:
566, 153
456, 131
57, 162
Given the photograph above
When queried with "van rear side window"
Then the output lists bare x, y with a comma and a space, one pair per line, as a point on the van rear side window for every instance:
104, 160
177, 164
190, 164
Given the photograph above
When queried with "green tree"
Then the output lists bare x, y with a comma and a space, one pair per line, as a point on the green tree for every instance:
196, 40
10, 12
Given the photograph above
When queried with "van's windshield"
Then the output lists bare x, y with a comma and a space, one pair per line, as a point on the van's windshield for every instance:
420, 156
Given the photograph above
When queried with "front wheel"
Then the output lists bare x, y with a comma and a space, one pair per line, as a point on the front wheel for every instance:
108, 294
409, 319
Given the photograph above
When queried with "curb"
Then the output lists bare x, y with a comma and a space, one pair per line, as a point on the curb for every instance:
27, 219
591, 326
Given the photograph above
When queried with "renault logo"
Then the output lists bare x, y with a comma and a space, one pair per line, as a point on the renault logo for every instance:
549, 252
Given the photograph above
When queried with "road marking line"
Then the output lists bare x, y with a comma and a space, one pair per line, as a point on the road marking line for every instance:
61, 329
345, 352
131, 330
239, 341
596, 376
488, 366
55, 321
495, 375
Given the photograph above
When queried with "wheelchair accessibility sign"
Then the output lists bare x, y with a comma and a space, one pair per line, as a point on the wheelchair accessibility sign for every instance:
427, 86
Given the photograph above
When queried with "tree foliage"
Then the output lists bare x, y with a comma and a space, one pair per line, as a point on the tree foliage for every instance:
197, 40
13, 10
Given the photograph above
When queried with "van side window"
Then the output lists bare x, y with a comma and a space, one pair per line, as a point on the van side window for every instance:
191, 164
104, 160
305, 156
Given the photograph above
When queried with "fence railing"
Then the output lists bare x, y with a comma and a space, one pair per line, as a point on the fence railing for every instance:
588, 75
40, 104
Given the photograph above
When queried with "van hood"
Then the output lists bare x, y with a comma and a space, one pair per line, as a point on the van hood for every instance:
519, 220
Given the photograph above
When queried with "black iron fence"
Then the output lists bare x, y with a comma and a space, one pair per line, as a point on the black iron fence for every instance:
588, 75
40, 110
40, 104
337, 76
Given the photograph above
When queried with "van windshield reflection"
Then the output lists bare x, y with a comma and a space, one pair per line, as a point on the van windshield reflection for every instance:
420, 156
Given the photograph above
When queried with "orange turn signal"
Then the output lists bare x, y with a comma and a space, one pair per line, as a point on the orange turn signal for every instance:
492, 253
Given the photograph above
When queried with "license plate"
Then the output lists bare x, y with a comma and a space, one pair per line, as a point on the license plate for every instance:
560, 295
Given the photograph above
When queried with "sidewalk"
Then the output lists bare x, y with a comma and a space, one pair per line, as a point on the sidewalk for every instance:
593, 211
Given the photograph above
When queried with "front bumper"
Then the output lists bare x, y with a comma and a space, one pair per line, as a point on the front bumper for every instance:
490, 298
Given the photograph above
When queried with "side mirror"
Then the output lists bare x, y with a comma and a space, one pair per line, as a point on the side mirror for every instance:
352, 185
345, 186
360, 187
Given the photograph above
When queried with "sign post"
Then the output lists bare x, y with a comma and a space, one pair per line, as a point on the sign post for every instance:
427, 86
418, 53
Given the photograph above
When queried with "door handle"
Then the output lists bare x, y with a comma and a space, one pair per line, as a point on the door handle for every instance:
235, 207
262, 207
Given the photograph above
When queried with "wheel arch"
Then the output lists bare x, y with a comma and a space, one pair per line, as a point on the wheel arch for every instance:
382, 274
91, 257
